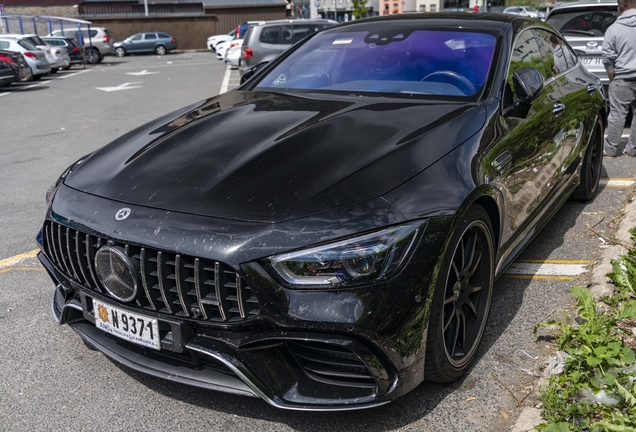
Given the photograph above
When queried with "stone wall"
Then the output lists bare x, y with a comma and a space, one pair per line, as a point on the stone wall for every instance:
60, 11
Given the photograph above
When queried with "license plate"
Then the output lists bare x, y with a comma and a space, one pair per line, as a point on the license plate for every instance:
592, 61
126, 325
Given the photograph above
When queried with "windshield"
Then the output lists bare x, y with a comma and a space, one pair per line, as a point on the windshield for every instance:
591, 21
388, 59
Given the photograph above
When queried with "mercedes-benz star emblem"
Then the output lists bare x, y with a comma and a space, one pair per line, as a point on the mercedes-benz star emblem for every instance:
122, 214
117, 272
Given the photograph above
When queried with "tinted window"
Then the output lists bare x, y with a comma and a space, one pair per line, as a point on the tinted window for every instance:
27, 45
164, 36
525, 53
270, 35
293, 34
592, 21
405, 61
149, 36
553, 52
55, 42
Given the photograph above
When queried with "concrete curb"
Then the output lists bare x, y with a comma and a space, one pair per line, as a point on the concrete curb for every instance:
600, 286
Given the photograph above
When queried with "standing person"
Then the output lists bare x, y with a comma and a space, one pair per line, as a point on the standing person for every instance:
619, 58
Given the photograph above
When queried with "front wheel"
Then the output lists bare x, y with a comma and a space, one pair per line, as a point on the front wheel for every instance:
120, 52
592, 165
160, 50
462, 298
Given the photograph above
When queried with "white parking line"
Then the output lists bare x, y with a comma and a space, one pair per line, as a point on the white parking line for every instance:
226, 79
548, 269
616, 182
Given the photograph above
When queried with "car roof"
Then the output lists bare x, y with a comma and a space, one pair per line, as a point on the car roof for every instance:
584, 3
294, 21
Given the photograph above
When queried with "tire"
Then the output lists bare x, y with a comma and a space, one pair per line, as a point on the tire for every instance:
591, 167
462, 297
93, 56
53, 71
120, 52
37, 77
160, 50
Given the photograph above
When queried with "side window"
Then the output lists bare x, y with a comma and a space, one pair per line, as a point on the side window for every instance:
4, 45
553, 53
164, 36
299, 32
525, 53
136, 37
570, 56
270, 35
150, 36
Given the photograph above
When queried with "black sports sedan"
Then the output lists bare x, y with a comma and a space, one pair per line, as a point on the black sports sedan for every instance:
326, 236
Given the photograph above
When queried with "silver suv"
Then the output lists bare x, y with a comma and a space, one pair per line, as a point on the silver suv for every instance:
101, 41
583, 24
264, 41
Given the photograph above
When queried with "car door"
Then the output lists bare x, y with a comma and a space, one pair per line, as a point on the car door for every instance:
149, 42
531, 133
134, 43
577, 99
269, 43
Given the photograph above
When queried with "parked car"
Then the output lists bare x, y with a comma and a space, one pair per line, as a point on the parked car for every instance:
223, 48
327, 235
213, 40
264, 41
75, 51
35, 58
526, 11
147, 42
13, 65
57, 58
583, 24
233, 55
99, 45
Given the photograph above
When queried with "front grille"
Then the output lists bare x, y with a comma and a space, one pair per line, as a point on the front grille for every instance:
173, 284
331, 364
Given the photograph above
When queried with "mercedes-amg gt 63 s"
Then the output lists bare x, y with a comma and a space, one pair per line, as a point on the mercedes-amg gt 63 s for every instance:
327, 235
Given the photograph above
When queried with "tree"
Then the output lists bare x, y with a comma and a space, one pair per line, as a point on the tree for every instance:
359, 8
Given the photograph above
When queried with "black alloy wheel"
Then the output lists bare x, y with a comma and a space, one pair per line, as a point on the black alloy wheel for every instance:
462, 298
592, 165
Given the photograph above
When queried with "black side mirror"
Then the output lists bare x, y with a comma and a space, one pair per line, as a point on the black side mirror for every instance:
528, 83
252, 71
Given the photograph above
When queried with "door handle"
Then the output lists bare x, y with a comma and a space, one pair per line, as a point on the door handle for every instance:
591, 88
502, 160
557, 108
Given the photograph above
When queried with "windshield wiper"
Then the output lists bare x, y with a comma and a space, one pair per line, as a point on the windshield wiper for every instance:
583, 32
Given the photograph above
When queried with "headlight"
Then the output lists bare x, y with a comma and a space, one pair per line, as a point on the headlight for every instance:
365, 259
55, 186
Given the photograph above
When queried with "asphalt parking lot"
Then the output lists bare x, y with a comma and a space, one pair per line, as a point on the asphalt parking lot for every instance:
50, 380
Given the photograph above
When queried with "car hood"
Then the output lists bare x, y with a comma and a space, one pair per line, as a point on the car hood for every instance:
270, 157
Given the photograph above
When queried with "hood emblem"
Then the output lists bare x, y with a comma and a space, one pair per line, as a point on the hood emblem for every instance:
122, 214
117, 273
592, 46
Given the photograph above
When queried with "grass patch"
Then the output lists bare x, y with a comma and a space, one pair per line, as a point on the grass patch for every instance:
597, 389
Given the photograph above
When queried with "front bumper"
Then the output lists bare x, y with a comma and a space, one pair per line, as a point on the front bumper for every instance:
302, 350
